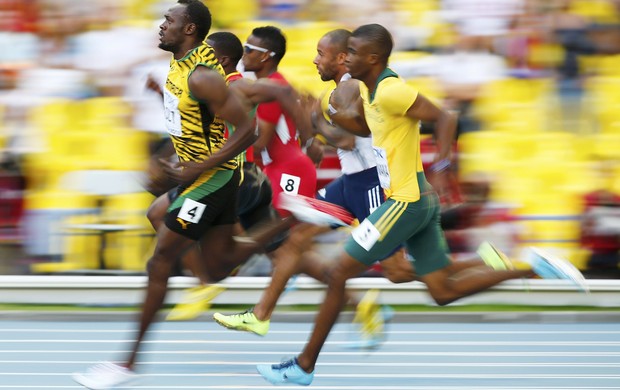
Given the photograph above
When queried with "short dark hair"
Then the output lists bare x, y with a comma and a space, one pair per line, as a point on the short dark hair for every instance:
379, 38
339, 38
198, 13
273, 39
227, 43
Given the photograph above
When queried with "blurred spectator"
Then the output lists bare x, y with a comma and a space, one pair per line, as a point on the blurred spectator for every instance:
600, 229
477, 220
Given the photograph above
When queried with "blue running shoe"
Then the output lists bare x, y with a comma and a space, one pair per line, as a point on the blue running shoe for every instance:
286, 372
550, 267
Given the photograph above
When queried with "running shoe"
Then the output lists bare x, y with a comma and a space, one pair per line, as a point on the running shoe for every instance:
286, 372
493, 257
315, 211
196, 301
105, 375
548, 266
245, 321
370, 321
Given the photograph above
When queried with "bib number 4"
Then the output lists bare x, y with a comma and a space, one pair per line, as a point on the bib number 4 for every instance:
191, 211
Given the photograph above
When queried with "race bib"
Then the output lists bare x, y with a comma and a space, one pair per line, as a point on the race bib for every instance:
171, 114
290, 184
191, 211
366, 234
382, 167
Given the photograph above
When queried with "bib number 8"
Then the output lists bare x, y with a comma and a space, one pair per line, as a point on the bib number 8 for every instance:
290, 184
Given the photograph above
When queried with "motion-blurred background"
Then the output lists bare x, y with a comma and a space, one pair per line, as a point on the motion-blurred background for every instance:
536, 83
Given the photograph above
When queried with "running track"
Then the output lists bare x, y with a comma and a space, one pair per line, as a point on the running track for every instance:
42, 354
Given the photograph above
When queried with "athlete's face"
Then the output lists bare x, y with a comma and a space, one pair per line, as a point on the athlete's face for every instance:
326, 60
254, 55
171, 31
357, 61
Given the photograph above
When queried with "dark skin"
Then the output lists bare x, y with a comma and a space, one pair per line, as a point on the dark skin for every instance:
179, 36
263, 65
445, 285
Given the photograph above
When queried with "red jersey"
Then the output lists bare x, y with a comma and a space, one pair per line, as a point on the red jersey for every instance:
286, 165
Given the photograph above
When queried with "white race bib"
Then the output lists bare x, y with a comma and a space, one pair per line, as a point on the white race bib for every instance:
382, 167
366, 234
191, 211
290, 184
171, 114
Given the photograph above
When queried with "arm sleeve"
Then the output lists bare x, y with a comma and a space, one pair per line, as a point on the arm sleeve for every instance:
398, 97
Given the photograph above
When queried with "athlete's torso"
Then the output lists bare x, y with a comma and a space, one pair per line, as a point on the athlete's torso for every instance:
195, 132
284, 145
396, 137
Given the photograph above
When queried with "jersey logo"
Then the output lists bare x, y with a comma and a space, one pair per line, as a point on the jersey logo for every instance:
183, 223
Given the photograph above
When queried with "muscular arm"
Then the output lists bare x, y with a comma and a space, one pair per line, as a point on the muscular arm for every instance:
335, 135
265, 90
210, 87
445, 123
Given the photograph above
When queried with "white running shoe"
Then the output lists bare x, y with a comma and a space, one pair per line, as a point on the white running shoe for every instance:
105, 375
548, 266
315, 211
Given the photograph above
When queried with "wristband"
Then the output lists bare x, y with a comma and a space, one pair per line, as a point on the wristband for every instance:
440, 165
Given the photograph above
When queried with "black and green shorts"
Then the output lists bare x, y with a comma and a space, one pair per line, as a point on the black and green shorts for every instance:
209, 201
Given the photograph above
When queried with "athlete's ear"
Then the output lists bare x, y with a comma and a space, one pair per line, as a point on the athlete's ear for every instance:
340, 58
190, 28
224, 60
373, 58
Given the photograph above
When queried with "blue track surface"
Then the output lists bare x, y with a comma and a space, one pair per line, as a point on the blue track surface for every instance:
431, 356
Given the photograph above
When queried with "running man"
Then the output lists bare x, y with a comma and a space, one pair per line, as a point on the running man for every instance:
290, 170
197, 101
410, 214
357, 190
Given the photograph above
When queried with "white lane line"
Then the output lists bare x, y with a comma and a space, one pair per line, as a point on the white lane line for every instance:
516, 376
284, 332
303, 342
388, 387
355, 353
353, 364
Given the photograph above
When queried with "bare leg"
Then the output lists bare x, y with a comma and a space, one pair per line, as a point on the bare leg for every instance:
397, 268
169, 246
464, 278
346, 268
286, 261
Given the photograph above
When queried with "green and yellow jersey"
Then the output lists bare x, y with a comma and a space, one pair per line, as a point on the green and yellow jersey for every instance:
396, 137
195, 132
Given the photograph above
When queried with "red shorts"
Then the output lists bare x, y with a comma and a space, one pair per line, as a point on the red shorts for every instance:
295, 176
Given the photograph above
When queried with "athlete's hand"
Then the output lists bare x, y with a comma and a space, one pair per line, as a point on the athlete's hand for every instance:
153, 85
182, 172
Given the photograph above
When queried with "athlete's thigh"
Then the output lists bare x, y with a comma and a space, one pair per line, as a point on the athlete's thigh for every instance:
205, 203
297, 177
428, 246
377, 236
363, 193
333, 192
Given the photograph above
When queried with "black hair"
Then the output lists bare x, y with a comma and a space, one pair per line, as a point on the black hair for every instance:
379, 37
198, 13
339, 39
273, 39
227, 44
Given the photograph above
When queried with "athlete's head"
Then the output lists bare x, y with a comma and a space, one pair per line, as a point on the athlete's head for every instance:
228, 49
369, 46
187, 21
265, 47
331, 52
